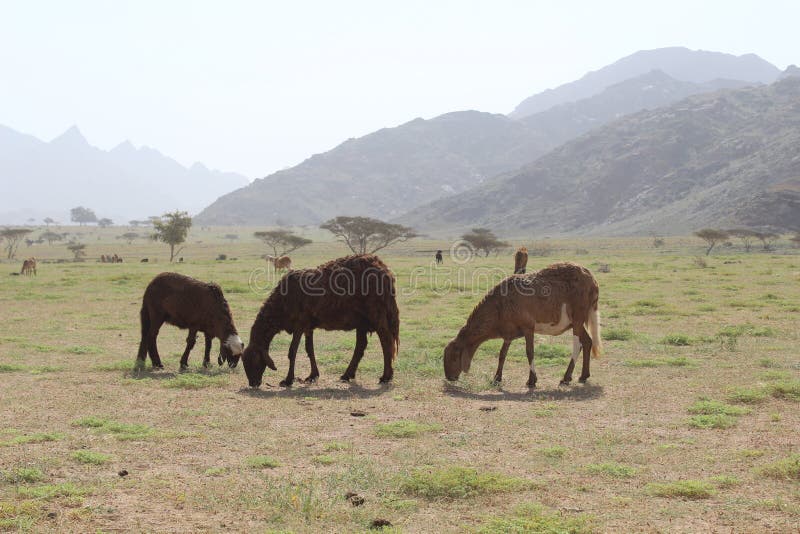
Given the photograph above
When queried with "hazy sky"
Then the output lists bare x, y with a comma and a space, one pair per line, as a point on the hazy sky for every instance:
257, 86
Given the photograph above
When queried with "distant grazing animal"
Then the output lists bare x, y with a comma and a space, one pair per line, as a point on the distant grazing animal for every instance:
550, 301
439, 258
180, 260
28, 267
144, 260
521, 260
188, 303
280, 262
103, 258
351, 293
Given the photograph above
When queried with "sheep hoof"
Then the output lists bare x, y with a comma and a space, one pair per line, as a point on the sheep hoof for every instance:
384, 380
583, 379
184, 366
346, 378
531, 385
312, 379
158, 366
497, 381
286, 383
564, 382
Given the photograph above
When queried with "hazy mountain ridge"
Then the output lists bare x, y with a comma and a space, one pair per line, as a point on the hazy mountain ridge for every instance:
123, 183
696, 66
722, 159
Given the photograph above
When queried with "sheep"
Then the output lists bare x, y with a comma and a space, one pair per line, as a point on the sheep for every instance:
439, 258
280, 262
28, 267
550, 301
187, 303
521, 260
352, 293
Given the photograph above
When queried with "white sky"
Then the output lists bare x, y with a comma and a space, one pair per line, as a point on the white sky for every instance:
257, 86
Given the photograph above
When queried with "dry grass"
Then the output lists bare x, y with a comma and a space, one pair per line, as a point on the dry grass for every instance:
206, 453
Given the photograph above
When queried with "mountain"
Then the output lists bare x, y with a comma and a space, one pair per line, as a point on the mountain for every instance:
720, 159
696, 66
385, 173
394, 170
47, 179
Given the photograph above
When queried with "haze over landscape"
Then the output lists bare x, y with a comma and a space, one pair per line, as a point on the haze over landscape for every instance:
497, 89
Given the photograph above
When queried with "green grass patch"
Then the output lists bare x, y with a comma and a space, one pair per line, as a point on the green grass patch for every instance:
617, 334
261, 462
332, 446
680, 361
19, 516
746, 330
768, 363
746, 395
11, 368
90, 457
611, 469
549, 352
52, 491
712, 421
404, 429
677, 340
556, 451
196, 381
784, 469
24, 474
533, 519
215, 471
84, 349
33, 438
122, 431
458, 482
725, 481
120, 365
324, 459
712, 407
789, 389
686, 489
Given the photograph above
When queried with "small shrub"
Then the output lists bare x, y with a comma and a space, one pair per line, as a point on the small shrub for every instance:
262, 462
90, 457
404, 429
784, 469
712, 421
689, 489
458, 482
532, 518
612, 469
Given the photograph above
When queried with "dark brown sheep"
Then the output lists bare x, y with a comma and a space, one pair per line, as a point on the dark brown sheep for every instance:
188, 303
560, 297
351, 293
521, 260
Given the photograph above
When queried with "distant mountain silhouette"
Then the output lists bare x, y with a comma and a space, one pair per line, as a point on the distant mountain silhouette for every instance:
722, 159
47, 179
696, 66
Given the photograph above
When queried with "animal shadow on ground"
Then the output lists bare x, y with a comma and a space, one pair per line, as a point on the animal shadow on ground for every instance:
154, 374
579, 392
347, 390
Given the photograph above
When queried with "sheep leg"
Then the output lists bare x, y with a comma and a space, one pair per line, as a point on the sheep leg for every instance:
207, 355
501, 359
287, 382
586, 342
190, 341
576, 347
358, 353
529, 352
155, 359
311, 358
387, 344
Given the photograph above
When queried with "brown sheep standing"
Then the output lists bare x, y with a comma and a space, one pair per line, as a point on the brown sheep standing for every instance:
188, 303
280, 262
351, 293
550, 301
521, 260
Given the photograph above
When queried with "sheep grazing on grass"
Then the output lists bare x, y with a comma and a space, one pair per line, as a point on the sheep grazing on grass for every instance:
28, 267
351, 293
550, 301
188, 303
521, 260
280, 262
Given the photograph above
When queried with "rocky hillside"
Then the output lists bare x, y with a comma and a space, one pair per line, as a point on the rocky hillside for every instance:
721, 159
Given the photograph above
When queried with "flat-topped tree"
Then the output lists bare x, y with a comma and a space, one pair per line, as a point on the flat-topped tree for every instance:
281, 241
12, 237
172, 229
82, 215
48, 221
483, 239
128, 237
51, 236
365, 235
78, 249
711, 237
745, 236
105, 222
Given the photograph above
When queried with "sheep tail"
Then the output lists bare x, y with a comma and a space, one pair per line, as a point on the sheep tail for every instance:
594, 331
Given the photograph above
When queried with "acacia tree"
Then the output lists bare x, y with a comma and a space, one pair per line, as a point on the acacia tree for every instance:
78, 249
12, 238
172, 229
48, 221
745, 236
711, 237
105, 222
51, 236
483, 239
82, 215
129, 237
767, 239
232, 237
281, 241
364, 234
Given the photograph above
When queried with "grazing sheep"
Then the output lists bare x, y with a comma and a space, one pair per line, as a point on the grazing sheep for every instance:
351, 293
188, 303
439, 258
521, 260
28, 267
280, 262
550, 301
144, 260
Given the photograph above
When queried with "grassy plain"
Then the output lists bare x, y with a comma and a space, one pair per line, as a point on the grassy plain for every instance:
689, 422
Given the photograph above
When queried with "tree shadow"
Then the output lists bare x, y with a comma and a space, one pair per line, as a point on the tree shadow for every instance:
580, 392
346, 390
